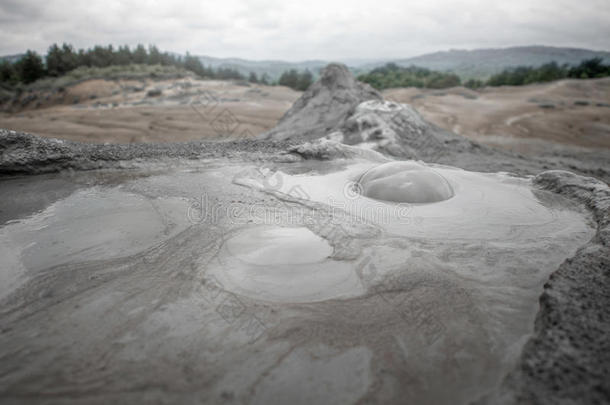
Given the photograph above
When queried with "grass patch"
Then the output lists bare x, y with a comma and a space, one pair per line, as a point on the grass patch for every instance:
115, 72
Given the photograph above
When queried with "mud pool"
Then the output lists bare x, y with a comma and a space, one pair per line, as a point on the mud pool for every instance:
267, 283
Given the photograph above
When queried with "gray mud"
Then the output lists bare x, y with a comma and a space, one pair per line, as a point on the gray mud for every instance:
131, 273
151, 287
567, 361
23, 153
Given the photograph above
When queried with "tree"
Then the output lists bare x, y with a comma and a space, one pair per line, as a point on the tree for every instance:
295, 80
443, 81
30, 67
7, 73
123, 55
304, 81
289, 79
253, 78
83, 58
101, 56
69, 59
139, 54
61, 60
209, 72
474, 84
154, 56
193, 64
392, 75
548, 72
590, 68
228, 73
54, 62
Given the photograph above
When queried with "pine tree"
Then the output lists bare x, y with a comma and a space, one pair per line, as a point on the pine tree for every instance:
304, 81
139, 54
30, 67
54, 62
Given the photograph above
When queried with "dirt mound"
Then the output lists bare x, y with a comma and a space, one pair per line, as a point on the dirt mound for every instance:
339, 108
323, 107
398, 130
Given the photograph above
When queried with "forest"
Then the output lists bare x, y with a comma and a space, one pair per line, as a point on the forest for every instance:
392, 75
60, 60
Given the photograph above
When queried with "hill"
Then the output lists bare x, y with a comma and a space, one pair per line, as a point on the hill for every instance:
273, 68
478, 63
482, 63
11, 58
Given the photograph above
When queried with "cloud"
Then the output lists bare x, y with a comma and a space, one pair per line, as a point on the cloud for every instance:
317, 29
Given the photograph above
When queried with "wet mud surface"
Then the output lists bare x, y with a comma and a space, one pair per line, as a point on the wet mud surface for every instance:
158, 286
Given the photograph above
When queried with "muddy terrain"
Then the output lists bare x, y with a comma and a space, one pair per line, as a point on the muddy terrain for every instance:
355, 253
568, 114
568, 117
135, 111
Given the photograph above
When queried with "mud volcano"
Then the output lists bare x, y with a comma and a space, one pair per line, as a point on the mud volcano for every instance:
405, 182
284, 264
356, 254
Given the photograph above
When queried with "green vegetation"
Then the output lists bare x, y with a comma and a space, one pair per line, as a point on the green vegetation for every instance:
392, 75
65, 60
63, 65
481, 64
114, 72
526, 75
587, 69
296, 80
474, 84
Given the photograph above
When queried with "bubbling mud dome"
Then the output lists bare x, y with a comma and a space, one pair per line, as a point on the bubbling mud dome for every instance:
405, 182
285, 264
364, 205
455, 260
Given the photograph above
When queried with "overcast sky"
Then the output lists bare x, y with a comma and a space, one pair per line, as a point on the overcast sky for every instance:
305, 29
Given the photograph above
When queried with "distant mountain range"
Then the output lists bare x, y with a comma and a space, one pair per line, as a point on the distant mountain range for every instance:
482, 63
479, 63
273, 68
11, 58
